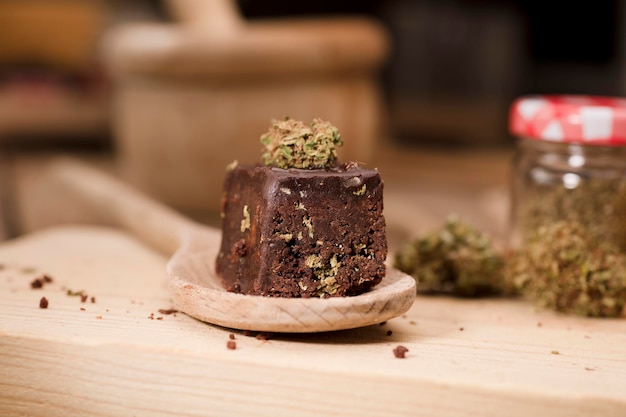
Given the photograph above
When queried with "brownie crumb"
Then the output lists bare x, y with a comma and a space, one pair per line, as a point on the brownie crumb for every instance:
231, 336
539, 324
82, 309
231, 344
99, 317
159, 318
413, 322
264, 336
43, 303
39, 282
461, 329
151, 316
167, 311
93, 300
389, 332
258, 335
555, 352
83, 298
400, 352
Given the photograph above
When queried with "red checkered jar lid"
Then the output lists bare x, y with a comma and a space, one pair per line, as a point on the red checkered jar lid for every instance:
570, 119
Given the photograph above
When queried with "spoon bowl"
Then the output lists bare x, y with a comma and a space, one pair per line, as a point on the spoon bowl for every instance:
196, 288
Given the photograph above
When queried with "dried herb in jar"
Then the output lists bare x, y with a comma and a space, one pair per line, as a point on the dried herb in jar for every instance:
598, 204
565, 267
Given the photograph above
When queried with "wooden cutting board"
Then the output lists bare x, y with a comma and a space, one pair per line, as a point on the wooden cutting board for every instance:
120, 356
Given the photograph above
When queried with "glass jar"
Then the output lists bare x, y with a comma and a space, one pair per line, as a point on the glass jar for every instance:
570, 166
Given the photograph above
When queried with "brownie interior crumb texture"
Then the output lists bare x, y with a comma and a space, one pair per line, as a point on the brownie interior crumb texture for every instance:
302, 232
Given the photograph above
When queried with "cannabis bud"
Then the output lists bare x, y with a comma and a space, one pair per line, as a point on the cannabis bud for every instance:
565, 267
456, 259
292, 144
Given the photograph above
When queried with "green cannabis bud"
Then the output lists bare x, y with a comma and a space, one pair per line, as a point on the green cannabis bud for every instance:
565, 267
292, 144
457, 260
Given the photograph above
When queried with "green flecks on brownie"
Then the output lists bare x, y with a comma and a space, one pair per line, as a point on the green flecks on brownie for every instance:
245, 222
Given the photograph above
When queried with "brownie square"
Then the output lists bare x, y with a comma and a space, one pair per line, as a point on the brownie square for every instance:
302, 232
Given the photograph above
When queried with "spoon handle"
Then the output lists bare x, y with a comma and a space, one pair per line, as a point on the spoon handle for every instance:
119, 204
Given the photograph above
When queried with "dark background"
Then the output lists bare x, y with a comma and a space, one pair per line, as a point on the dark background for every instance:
455, 65
471, 58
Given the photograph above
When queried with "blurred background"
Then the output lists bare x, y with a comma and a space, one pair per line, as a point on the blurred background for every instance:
165, 93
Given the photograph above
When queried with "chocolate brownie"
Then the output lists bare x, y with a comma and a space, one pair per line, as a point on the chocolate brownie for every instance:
302, 232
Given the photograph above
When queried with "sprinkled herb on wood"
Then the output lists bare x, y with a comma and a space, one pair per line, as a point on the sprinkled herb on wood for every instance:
564, 266
456, 259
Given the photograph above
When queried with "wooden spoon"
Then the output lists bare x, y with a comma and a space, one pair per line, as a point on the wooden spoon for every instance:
195, 287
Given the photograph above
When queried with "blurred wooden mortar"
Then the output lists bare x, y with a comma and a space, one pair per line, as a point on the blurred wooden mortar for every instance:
194, 96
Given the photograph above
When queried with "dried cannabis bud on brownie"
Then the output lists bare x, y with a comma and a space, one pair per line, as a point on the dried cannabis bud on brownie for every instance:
456, 259
565, 267
292, 144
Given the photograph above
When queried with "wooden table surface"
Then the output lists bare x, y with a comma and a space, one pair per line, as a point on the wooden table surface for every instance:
121, 356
